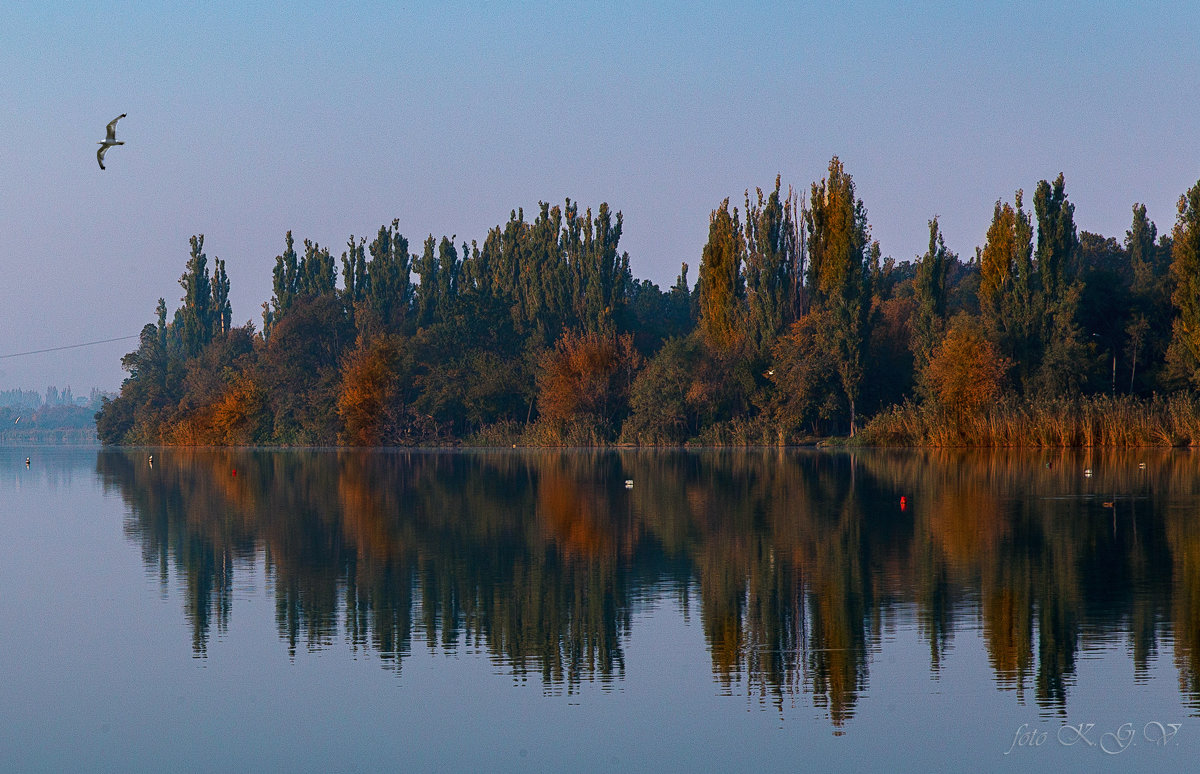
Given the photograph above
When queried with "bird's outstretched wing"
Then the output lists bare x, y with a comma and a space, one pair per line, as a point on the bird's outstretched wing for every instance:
100, 154
112, 128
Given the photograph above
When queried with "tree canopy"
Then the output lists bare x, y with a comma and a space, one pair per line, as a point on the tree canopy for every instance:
797, 327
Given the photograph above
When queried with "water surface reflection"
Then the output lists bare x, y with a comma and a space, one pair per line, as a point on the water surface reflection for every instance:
797, 560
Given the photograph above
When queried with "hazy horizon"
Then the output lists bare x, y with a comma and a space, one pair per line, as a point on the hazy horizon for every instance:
244, 122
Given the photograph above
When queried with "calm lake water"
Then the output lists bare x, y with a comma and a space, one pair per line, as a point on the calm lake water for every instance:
527, 611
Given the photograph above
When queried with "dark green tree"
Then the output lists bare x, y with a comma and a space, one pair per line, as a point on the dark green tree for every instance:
931, 296
354, 273
299, 370
316, 274
449, 269
1185, 269
772, 265
545, 289
283, 285
662, 403
1058, 252
1104, 308
1140, 242
1150, 263
298, 277
426, 293
222, 311
384, 289
682, 301
603, 278
1065, 356
197, 313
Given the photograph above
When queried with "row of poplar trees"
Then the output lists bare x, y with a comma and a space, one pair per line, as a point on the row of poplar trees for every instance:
796, 327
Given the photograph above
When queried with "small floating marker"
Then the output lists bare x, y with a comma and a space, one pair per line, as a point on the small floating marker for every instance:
903, 502
1087, 472
26, 462
629, 483
235, 472
1108, 505
1141, 466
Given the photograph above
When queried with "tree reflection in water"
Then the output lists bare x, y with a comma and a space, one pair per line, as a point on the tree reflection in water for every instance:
540, 558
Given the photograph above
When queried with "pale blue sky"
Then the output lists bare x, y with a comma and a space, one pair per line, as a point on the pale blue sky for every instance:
245, 120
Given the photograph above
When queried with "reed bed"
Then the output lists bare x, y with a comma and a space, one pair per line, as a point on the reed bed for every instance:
1095, 421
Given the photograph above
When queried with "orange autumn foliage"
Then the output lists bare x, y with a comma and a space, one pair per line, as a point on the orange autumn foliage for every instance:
238, 415
370, 386
966, 372
586, 374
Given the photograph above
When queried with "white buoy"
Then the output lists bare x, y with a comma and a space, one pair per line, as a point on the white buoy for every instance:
629, 483
1087, 472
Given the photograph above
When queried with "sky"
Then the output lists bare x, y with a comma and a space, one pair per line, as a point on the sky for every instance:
246, 120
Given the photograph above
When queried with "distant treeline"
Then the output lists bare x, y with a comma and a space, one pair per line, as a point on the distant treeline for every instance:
57, 417
796, 329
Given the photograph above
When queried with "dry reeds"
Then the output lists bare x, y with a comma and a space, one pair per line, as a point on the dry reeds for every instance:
1095, 421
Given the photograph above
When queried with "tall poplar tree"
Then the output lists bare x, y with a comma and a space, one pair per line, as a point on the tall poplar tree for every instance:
603, 276
504, 254
1007, 287
1058, 250
315, 275
1140, 244
354, 273
1148, 332
196, 314
449, 269
283, 283
930, 294
1064, 356
681, 301
426, 267
772, 263
386, 285
721, 285
839, 275
1185, 268
298, 276
222, 312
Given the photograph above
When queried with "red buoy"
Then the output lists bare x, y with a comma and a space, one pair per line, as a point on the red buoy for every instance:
903, 502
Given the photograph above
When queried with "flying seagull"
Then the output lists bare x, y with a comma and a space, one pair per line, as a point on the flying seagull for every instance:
110, 140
